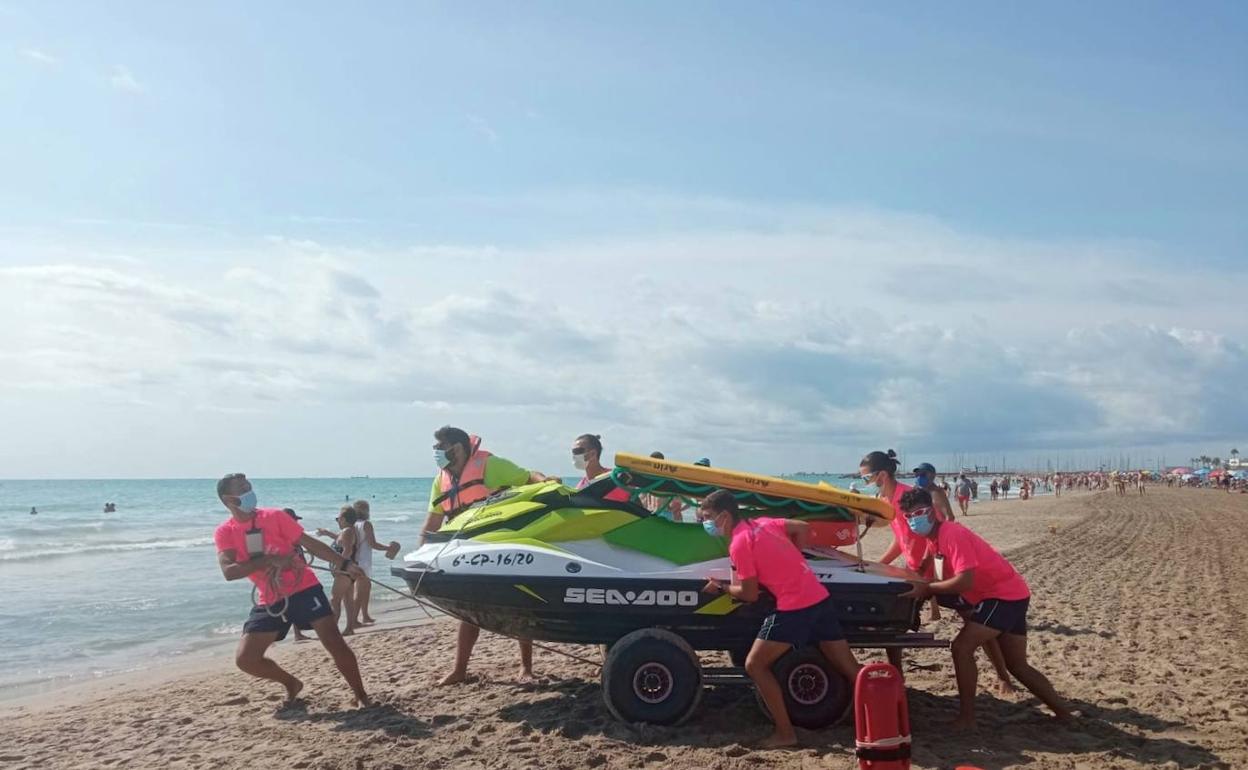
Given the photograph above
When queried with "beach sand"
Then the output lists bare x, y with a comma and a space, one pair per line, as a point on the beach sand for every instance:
1138, 617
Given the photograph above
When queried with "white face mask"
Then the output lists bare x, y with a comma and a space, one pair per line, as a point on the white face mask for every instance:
580, 461
439, 457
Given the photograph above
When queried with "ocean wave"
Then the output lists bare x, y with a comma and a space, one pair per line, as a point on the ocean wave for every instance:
80, 549
60, 528
6, 544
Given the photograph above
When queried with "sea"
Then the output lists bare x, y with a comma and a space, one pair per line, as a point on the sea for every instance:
87, 594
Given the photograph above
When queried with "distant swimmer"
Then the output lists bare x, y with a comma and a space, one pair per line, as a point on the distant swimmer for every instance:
110, 507
33, 512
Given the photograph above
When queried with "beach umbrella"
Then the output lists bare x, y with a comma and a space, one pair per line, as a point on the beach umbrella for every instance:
1218, 472
1180, 471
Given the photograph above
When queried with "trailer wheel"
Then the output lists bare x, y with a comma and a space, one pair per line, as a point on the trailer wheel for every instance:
815, 694
737, 656
653, 676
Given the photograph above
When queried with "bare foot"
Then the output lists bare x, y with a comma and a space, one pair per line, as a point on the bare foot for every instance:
526, 675
963, 724
367, 621
363, 702
778, 741
292, 690
455, 677
349, 631
1006, 689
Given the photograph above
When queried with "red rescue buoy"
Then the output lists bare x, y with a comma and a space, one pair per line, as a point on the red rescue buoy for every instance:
882, 719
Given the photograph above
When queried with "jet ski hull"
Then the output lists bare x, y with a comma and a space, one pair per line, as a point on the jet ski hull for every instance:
602, 610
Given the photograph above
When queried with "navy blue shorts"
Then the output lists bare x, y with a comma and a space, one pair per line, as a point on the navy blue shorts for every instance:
1008, 617
954, 602
301, 610
816, 623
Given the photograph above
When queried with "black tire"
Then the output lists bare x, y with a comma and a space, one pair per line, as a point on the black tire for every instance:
815, 695
652, 676
738, 656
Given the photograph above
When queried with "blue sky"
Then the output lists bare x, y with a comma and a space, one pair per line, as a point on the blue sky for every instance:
780, 236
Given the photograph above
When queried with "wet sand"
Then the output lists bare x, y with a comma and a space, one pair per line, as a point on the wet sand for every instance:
1138, 617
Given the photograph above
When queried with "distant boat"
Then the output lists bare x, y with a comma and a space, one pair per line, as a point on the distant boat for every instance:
359, 477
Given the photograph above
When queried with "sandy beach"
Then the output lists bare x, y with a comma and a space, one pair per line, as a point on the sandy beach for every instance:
1137, 617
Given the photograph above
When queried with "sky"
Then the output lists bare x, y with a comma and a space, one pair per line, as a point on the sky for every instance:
294, 239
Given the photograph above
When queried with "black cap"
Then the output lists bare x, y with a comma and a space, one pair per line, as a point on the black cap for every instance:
292, 513
925, 468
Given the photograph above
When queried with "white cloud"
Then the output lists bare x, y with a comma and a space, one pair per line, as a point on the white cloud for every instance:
123, 80
41, 57
482, 128
776, 348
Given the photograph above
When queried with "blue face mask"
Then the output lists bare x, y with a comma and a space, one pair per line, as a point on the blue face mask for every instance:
247, 501
439, 457
922, 524
923, 481
709, 526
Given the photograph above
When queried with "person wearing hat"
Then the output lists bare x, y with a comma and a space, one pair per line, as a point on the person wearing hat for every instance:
925, 478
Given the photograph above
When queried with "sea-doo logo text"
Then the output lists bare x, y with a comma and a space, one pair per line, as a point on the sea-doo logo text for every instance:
634, 598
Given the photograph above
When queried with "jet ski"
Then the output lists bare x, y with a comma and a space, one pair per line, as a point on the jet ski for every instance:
594, 566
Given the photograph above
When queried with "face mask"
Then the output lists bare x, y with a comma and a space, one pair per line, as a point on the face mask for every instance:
921, 525
439, 457
923, 481
580, 462
709, 526
247, 501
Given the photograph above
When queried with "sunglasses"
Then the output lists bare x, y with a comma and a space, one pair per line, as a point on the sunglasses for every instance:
924, 511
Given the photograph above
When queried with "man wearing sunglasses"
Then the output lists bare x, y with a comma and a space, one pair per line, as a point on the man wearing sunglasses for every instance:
997, 599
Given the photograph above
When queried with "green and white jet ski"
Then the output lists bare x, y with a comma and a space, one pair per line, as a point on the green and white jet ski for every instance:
550, 563
593, 566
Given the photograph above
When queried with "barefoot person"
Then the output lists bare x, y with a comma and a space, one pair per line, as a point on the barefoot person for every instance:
880, 470
998, 598
259, 544
925, 478
368, 543
346, 543
466, 474
767, 552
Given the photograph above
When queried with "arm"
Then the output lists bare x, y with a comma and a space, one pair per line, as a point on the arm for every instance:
891, 553
798, 532
322, 532
370, 538
743, 590
324, 552
536, 477
433, 522
235, 570
942, 504
959, 583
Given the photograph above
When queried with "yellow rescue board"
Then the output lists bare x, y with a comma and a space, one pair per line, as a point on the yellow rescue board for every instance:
740, 481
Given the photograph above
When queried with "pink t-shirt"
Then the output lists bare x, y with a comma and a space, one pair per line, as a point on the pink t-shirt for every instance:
995, 578
280, 533
762, 549
913, 547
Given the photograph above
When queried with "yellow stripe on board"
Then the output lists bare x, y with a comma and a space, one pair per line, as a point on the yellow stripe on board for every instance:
530, 592
721, 605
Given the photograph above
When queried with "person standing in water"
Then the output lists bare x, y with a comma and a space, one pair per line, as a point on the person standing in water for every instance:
766, 553
996, 597
259, 544
468, 474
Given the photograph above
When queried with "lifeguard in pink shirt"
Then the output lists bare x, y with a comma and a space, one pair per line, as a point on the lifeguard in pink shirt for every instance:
998, 598
767, 552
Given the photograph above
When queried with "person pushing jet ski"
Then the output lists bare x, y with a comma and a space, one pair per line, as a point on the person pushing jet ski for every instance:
467, 474
767, 552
